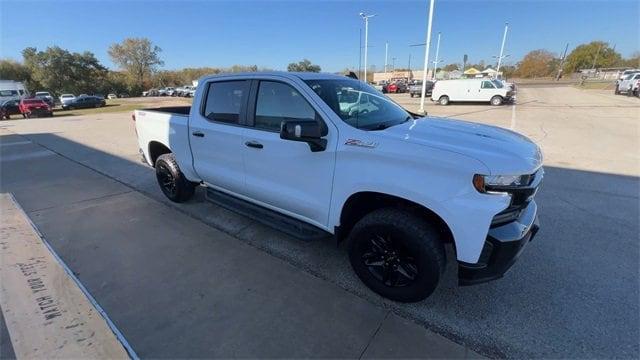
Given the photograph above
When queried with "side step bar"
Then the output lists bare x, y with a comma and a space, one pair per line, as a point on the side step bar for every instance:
281, 222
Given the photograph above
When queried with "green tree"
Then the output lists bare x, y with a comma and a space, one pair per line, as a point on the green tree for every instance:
13, 70
303, 66
58, 70
139, 58
537, 63
633, 61
451, 67
597, 53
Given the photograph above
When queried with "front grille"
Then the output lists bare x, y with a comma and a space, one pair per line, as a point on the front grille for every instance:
520, 198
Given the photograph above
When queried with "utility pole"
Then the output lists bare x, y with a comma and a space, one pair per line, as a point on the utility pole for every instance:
386, 55
596, 58
360, 55
366, 17
504, 38
409, 67
435, 62
564, 56
393, 64
426, 56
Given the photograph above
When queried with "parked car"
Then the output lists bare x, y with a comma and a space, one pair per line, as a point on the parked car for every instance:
381, 86
65, 98
84, 102
8, 108
112, 96
626, 85
46, 96
10, 89
32, 107
397, 87
480, 90
191, 92
415, 89
300, 164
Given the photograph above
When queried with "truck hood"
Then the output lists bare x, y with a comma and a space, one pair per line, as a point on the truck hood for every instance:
503, 151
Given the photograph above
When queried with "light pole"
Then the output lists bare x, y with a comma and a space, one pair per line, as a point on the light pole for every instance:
386, 55
504, 38
426, 56
366, 17
435, 62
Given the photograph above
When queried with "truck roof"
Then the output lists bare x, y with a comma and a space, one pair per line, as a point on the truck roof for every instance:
286, 74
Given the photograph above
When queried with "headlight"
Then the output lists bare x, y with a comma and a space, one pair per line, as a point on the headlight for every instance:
499, 183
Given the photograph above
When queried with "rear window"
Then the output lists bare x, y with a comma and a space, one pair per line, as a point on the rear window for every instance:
33, 101
225, 99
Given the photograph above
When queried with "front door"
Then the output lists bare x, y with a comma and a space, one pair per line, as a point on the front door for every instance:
216, 136
282, 174
486, 92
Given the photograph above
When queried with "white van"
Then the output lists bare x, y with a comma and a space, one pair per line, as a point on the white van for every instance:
492, 91
10, 89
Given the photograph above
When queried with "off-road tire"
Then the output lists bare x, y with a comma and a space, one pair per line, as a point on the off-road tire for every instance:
179, 189
408, 231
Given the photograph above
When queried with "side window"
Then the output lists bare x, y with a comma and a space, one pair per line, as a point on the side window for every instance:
225, 99
21, 92
277, 102
487, 85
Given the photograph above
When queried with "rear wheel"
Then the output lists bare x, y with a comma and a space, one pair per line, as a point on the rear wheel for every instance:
397, 254
444, 100
496, 100
171, 180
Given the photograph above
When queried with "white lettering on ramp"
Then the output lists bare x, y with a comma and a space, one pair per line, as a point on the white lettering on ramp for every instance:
46, 312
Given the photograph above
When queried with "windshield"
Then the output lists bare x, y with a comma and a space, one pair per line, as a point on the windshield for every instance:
359, 104
40, 93
8, 93
66, 96
498, 84
33, 101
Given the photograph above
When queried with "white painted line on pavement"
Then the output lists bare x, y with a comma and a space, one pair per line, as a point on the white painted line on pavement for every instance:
15, 143
27, 155
48, 312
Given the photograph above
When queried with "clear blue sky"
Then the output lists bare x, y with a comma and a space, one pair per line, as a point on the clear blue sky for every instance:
275, 33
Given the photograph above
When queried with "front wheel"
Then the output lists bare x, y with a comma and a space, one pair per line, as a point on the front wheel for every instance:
397, 254
171, 180
496, 100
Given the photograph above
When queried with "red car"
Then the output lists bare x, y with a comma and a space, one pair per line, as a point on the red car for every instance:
396, 87
34, 107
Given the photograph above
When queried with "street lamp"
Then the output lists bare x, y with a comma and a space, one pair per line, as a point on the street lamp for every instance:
435, 62
366, 17
504, 38
426, 56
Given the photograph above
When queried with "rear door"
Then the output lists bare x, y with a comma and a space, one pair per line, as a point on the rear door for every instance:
216, 134
282, 174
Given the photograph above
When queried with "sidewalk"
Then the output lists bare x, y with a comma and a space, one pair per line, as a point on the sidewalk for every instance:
176, 287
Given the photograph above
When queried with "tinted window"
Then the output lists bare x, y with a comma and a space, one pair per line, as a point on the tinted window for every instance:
343, 96
487, 85
277, 102
225, 100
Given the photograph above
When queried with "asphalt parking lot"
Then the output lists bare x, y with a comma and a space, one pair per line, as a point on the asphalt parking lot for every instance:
574, 293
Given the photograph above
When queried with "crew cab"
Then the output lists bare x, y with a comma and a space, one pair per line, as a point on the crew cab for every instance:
294, 151
473, 90
415, 89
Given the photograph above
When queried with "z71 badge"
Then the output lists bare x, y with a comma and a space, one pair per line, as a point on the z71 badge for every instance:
360, 143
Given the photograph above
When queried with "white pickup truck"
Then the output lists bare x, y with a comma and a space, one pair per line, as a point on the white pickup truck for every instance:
278, 147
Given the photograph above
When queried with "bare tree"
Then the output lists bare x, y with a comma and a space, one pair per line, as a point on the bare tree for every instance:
138, 57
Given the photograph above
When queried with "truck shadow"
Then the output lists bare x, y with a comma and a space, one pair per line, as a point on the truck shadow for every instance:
585, 255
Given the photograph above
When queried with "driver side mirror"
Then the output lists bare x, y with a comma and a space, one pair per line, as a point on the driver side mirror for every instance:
307, 131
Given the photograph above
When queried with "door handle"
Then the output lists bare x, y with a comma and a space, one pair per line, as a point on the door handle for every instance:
254, 144
198, 133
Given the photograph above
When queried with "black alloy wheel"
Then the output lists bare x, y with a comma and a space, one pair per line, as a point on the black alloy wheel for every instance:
389, 261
